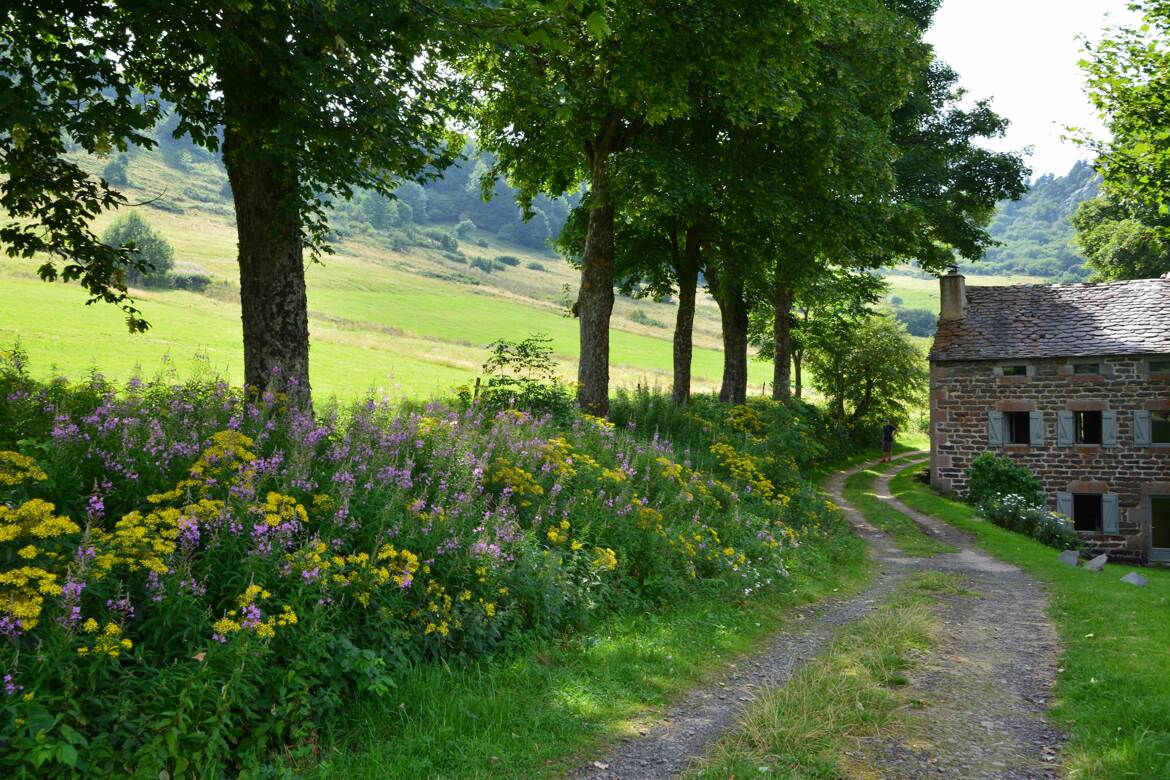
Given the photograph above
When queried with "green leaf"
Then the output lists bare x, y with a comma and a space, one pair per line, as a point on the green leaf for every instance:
598, 28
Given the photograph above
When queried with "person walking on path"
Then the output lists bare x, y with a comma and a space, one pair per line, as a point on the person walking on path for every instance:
887, 440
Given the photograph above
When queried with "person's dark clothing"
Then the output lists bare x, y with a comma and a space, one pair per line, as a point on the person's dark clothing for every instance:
888, 437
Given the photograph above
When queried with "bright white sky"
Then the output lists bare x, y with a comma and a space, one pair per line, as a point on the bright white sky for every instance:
1023, 55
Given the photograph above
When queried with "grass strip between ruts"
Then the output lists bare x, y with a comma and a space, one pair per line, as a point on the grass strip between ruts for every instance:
802, 729
1113, 694
860, 492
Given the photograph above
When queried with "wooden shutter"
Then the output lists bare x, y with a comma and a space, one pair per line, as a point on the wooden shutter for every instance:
1064, 504
1142, 436
1065, 429
1036, 429
1108, 429
995, 429
1109, 514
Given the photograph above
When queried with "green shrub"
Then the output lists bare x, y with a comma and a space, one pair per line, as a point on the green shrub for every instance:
535, 266
115, 171
442, 238
487, 266
1020, 514
992, 476
509, 260
152, 253
464, 229
643, 318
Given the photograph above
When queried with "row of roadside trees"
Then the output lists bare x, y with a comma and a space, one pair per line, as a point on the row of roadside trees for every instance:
773, 150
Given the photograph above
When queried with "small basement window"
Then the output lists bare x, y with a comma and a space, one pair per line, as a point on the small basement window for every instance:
1015, 370
1088, 427
1160, 427
1087, 512
1017, 428
1160, 366
1086, 368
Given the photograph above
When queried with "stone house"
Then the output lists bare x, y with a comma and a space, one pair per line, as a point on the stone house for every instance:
1072, 381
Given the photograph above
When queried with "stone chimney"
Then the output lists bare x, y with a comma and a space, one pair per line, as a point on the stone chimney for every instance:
953, 288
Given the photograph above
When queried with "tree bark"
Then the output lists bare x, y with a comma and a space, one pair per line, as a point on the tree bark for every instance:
595, 298
687, 273
273, 302
782, 337
733, 314
798, 359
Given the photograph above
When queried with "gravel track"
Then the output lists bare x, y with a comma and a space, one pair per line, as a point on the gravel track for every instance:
981, 692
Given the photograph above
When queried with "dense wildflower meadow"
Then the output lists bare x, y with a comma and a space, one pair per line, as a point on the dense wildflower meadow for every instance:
195, 579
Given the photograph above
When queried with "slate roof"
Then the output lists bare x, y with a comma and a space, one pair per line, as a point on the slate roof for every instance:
1059, 320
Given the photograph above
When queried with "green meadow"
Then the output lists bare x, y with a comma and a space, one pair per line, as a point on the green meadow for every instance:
408, 323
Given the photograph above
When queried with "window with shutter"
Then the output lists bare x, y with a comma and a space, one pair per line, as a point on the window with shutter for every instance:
1088, 511
1065, 429
1036, 423
1160, 427
1110, 513
1109, 429
1141, 429
994, 429
1064, 504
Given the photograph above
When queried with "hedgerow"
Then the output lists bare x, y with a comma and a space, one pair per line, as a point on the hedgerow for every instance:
195, 579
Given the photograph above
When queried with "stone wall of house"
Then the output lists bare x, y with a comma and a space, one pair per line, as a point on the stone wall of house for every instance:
963, 392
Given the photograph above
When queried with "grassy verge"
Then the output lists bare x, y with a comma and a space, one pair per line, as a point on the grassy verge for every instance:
539, 710
802, 729
859, 491
905, 445
1114, 693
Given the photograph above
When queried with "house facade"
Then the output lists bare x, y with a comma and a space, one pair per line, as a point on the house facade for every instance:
1072, 381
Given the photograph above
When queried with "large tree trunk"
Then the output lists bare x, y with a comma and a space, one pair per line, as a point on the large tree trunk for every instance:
733, 314
687, 271
271, 252
595, 299
782, 336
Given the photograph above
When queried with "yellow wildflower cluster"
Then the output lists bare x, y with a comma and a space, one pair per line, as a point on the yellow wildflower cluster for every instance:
557, 453
439, 619
279, 508
33, 519
744, 468
650, 519
503, 473
16, 469
23, 591
559, 534
747, 420
139, 541
613, 475
226, 446
670, 469
604, 558
599, 422
358, 572
107, 642
323, 504
234, 623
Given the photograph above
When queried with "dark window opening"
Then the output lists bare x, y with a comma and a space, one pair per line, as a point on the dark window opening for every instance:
1015, 370
1087, 512
1160, 427
1017, 427
1160, 521
1088, 426
1086, 368
1160, 366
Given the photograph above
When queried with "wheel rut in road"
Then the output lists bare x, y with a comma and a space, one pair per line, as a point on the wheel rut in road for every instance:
981, 692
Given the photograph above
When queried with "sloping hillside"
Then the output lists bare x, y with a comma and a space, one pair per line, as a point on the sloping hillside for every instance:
405, 307
1035, 232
